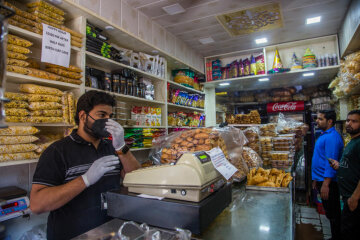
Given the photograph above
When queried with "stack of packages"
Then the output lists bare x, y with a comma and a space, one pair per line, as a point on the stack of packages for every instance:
17, 48
69, 103
251, 118
72, 74
39, 12
134, 137
182, 119
284, 150
45, 140
267, 132
16, 143
150, 134
38, 104
252, 135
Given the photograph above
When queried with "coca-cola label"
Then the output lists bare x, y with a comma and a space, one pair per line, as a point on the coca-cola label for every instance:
285, 106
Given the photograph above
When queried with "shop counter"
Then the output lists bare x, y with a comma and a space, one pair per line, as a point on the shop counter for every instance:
251, 215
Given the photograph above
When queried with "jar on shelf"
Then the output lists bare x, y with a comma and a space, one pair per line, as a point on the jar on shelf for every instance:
116, 83
123, 85
129, 86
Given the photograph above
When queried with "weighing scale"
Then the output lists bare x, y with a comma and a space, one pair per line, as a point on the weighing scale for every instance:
13, 203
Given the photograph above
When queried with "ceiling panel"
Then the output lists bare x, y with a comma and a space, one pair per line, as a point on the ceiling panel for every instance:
199, 21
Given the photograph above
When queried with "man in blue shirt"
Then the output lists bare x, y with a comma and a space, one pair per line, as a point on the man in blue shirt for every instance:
328, 145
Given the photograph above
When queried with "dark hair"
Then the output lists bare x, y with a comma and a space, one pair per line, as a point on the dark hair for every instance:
329, 115
90, 99
354, 112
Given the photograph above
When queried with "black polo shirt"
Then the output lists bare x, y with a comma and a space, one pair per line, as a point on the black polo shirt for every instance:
64, 161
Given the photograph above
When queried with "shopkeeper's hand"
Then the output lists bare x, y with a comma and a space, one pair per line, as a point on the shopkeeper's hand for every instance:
117, 133
324, 192
314, 184
352, 203
334, 164
99, 168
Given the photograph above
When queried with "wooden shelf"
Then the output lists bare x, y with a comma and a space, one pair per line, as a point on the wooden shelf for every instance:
171, 105
20, 78
138, 149
40, 124
185, 88
278, 80
127, 97
32, 37
144, 126
95, 59
18, 162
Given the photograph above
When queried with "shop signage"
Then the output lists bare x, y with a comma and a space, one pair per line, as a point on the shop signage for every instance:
294, 106
55, 46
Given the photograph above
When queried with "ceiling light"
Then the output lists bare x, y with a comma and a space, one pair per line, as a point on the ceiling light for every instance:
308, 74
173, 9
261, 40
206, 40
109, 27
263, 79
224, 84
313, 20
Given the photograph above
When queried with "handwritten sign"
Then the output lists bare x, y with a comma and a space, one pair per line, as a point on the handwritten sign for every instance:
220, 163
56, 46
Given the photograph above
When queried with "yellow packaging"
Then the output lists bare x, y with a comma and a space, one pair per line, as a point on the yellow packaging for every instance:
12, 39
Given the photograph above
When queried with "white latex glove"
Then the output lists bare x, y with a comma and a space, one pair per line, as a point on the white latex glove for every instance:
99, 168
117, 133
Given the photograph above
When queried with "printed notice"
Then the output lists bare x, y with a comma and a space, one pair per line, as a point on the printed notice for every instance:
56, 46
220, 163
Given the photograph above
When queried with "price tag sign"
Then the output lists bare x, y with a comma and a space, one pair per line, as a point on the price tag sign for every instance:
56, 46
220, 163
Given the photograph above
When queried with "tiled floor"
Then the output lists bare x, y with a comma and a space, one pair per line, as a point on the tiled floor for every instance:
308, 215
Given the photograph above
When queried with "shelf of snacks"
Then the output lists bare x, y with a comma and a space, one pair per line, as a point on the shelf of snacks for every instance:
94, 59
18, 78
18, 162
180, 86
174, 106
31, 36
277, 80
127, 97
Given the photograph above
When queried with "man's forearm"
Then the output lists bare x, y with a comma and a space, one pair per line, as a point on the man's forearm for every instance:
129, 162
327, 181
44, 198
356, 193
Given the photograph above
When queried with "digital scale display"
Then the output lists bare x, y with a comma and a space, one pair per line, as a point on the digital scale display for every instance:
202, 156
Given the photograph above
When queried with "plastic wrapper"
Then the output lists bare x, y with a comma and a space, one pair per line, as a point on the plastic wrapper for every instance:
252, 135
48, 6
15, 55
19, 112
43, 74
44, 106
24, 20
65, 108
71, 68
251, 158
24, 26
16, 62
16, 96
76, 44
72, 32
64, 73
17, 156
76, 39
70, 80
18, 130
18, 49
288, 125
45, 119
46, 12
268, 178
72, 108
16, 119
17, 69
170, 148
36, 89
17, 139
268, 129
251, 118
20, 12
16, 104
33, 63
42, 146
47, 113
12, 39
47, 18
18, 148
43, 98
281, 155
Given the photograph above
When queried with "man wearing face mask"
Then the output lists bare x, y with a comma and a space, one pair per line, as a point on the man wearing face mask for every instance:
73, 172
349, 179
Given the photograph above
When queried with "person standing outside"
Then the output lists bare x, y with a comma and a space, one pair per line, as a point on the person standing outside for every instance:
328, 145
349, 179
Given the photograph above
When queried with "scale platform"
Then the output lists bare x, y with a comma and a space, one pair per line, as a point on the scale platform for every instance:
168, 213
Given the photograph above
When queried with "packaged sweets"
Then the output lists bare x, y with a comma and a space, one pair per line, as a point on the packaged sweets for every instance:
253, 70
16, 104
35, 119
17, 156
15, 55
45, 17
246, 64
64, 73
71, 68
44, 105
20, 12
33, 63
65, 108
72, 108
17, 69
19, 112
36, 89
43, 74
43, 98
24, 26
260, 64
18, 130
17, 148
24, 20
16, 119
17, 139
12, 39
47, 113
16, 96
47, 12
16, 62
48, 6
18, 49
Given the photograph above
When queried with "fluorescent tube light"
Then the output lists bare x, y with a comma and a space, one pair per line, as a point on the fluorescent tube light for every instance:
173, 9
313, 20
224, 84
263, 79
308, 74
261, 40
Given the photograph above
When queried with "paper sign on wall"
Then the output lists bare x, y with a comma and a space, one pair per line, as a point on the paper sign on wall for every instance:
220, 163
56, 46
